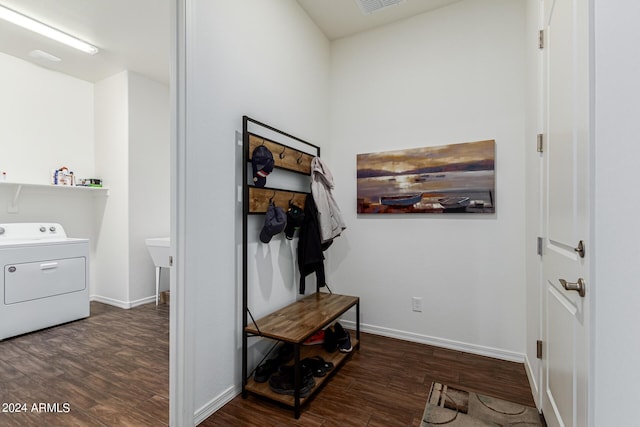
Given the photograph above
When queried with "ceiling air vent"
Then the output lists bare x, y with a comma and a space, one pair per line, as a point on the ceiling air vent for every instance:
41, 54
370, 6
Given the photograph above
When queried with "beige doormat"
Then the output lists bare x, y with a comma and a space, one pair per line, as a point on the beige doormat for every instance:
450, 406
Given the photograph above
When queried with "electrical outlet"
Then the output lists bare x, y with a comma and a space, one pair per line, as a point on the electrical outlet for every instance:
416, 303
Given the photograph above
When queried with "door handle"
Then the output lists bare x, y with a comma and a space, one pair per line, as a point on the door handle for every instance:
579, 286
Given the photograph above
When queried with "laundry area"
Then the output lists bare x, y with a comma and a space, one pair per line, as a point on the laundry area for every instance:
85, 181
90, 154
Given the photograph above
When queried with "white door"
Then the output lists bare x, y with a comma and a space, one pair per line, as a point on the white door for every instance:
566, 222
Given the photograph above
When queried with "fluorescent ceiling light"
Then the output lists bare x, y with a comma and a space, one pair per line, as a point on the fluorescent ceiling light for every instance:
45, 30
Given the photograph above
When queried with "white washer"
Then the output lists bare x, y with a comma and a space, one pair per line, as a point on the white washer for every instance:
45, 278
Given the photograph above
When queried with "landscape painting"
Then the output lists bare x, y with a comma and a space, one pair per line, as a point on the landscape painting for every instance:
441, 179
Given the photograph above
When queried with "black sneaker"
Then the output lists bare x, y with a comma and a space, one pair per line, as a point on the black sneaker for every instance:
315, 366
285, 352
305, 370
330, 343
264, 371
282, 383
343, 339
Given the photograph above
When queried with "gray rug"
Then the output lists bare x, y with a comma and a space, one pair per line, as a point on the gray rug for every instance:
450, 406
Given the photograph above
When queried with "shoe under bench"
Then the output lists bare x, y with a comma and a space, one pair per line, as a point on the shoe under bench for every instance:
294, 324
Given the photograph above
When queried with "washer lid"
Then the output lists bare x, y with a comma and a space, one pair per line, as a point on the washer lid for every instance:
40, 242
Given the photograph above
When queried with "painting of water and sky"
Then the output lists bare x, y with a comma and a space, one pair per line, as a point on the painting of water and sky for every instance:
442, 179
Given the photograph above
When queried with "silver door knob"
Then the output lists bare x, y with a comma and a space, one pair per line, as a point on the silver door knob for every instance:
579, 286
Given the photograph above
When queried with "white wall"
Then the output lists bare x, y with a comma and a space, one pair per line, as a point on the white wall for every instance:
46, 122
453, 75
148, 178
617, 230
112, 165
267, 60
132, 157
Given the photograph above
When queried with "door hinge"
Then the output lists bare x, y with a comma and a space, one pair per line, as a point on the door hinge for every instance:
540, 246
541, 39
539, 349
540, 143
170, 261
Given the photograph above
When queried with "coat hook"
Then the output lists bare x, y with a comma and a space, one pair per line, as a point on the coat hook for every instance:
293, 195
282, 154
271, 198
300, 158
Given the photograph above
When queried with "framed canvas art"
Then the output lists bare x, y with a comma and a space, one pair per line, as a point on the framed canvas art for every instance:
441, 179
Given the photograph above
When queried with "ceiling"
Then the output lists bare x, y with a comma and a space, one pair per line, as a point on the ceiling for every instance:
131, 34
135, 34
341, 18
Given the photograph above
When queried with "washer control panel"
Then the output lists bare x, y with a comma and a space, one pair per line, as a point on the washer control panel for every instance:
28, 231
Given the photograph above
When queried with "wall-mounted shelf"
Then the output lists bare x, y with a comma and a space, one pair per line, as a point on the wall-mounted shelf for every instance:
284, 157
17, 187
259, 198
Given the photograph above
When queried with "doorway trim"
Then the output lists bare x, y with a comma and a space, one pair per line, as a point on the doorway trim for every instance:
181, 335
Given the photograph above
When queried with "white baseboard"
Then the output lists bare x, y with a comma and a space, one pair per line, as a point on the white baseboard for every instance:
216, 403
122, 304
438, 342
535, 388
110, 301
142, 301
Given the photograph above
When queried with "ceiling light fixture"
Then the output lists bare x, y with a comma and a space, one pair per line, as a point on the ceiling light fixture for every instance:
45, 30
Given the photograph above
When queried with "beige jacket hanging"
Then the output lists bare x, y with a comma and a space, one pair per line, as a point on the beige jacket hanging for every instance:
330, 218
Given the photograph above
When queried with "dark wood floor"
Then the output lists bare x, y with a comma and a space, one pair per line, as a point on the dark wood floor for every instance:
111, 368
384, 384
